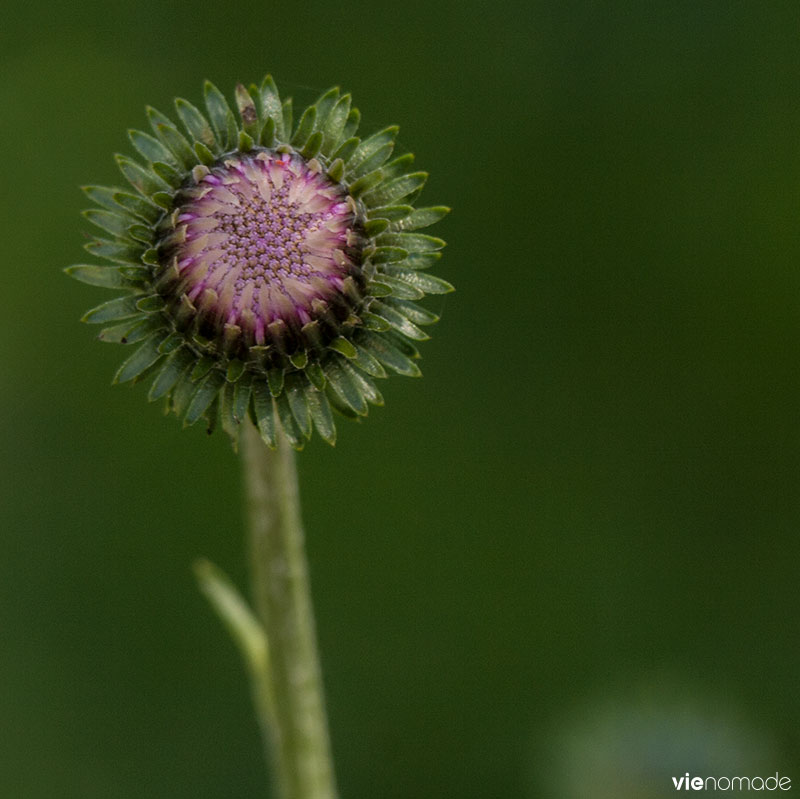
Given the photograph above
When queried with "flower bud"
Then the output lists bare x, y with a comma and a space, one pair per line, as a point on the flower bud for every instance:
270, 269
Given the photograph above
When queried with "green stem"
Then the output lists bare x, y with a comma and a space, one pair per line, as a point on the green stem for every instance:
294, 722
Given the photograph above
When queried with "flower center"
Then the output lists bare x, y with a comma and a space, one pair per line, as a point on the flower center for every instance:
263, 238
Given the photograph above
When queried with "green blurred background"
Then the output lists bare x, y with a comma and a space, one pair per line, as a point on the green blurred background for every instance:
564, 564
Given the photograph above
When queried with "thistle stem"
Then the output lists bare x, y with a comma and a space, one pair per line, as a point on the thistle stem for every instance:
294, 721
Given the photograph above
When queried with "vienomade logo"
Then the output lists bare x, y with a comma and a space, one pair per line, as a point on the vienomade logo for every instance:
689, 783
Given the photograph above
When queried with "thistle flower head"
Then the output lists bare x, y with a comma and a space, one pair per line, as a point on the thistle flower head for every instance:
268, 268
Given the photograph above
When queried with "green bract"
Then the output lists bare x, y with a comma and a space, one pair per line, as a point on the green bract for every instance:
266, 267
